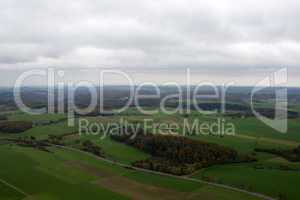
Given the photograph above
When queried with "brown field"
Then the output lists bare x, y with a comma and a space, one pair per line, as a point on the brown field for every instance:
89, 169
136, 190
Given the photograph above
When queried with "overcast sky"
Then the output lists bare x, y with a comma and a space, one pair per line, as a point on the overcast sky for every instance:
219, 40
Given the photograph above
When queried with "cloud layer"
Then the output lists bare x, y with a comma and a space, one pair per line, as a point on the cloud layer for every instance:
149, 34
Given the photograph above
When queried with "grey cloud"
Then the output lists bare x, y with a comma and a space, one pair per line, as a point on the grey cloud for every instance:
142, 33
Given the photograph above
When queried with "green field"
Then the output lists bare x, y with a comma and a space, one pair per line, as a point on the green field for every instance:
268, 180
8, 193
71, 175
114, 150
27, 117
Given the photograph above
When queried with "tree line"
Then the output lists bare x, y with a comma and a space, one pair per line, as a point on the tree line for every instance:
15, 126
292, 155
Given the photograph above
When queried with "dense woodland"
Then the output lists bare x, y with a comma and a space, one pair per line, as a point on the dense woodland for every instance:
179, 155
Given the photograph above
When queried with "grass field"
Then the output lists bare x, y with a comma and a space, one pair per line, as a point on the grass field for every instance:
114, 150
267, 179
9, 193
68, 175
28, 117
62, 174
36, 177
251, 134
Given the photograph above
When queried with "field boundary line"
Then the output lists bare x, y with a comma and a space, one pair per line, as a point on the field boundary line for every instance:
14, 187
259, 195
285, 142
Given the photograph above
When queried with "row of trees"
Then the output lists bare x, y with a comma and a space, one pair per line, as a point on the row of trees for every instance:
14, 126
292, 155
32, 142
89, 146
55, 139
168, 166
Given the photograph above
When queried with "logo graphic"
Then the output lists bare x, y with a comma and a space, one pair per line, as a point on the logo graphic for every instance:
276, 81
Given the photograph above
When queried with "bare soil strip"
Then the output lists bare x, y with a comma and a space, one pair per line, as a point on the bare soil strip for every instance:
89, 169
125, 186
138, 191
